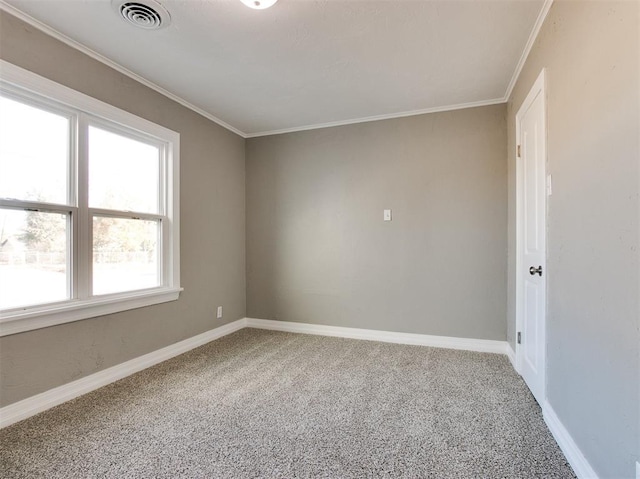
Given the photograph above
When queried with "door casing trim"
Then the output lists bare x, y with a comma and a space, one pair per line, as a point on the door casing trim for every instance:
538, 88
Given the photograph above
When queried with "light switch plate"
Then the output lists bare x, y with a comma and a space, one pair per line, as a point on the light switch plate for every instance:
219, 312
387, 215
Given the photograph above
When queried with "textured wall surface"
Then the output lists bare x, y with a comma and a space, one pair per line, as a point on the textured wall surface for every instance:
591, 51
318, 250
212, 231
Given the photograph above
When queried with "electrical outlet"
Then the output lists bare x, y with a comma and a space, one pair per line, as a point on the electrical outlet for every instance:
219, 313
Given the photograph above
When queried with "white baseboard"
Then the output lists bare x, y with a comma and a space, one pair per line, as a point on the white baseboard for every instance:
481, 345
574, 456
48, 399
40, 402
569, 448
511, 354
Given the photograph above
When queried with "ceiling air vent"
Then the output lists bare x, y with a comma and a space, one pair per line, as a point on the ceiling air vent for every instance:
146, 14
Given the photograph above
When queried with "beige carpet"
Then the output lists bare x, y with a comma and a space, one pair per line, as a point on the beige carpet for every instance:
270, 404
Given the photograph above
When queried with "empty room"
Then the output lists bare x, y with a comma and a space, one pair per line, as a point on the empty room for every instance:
320, 238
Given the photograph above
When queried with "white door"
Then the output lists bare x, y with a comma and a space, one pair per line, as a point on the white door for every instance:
532, 195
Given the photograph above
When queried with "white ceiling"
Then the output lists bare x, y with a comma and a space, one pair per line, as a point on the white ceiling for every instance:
311, 62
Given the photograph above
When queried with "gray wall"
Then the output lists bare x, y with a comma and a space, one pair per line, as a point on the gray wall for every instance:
591, 51
212, 231
319, 252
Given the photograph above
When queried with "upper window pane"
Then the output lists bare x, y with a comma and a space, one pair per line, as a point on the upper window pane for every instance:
123, 173
34, 153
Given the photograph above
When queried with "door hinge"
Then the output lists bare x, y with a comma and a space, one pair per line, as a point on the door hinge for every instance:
519, 338
518, 151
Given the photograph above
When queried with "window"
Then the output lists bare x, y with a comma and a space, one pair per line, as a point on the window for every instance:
88, 206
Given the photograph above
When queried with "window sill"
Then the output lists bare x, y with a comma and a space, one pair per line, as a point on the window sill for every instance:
67, 312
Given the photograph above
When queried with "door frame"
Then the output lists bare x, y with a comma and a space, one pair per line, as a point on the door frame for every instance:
538, 88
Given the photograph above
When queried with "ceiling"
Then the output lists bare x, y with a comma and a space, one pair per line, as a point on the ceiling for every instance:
305, 63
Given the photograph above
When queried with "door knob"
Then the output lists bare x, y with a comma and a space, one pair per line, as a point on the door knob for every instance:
533, 271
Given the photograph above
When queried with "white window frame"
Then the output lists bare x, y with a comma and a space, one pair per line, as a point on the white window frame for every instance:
85, 111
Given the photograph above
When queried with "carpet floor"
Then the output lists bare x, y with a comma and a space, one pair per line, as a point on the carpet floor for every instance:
272, 404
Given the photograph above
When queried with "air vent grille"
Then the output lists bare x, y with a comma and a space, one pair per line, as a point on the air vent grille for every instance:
145, 14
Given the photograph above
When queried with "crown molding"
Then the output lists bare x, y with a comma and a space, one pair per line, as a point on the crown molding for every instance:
4, 6
527, 49
116, 66
390, 116
542, 15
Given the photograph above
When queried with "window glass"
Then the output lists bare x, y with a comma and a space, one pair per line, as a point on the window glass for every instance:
34, 153
33, 258
123, 173
88, 206
125, 254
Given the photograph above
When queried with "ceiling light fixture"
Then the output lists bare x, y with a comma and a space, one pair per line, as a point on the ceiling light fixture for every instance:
259, 4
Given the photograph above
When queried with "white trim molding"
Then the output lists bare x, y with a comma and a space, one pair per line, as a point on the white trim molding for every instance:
511, 355
467, 344
576, 459
70, 311
537, 90
83, 112
33, 405
110, 63
125, 71
41, 402
527, 49
390, 116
